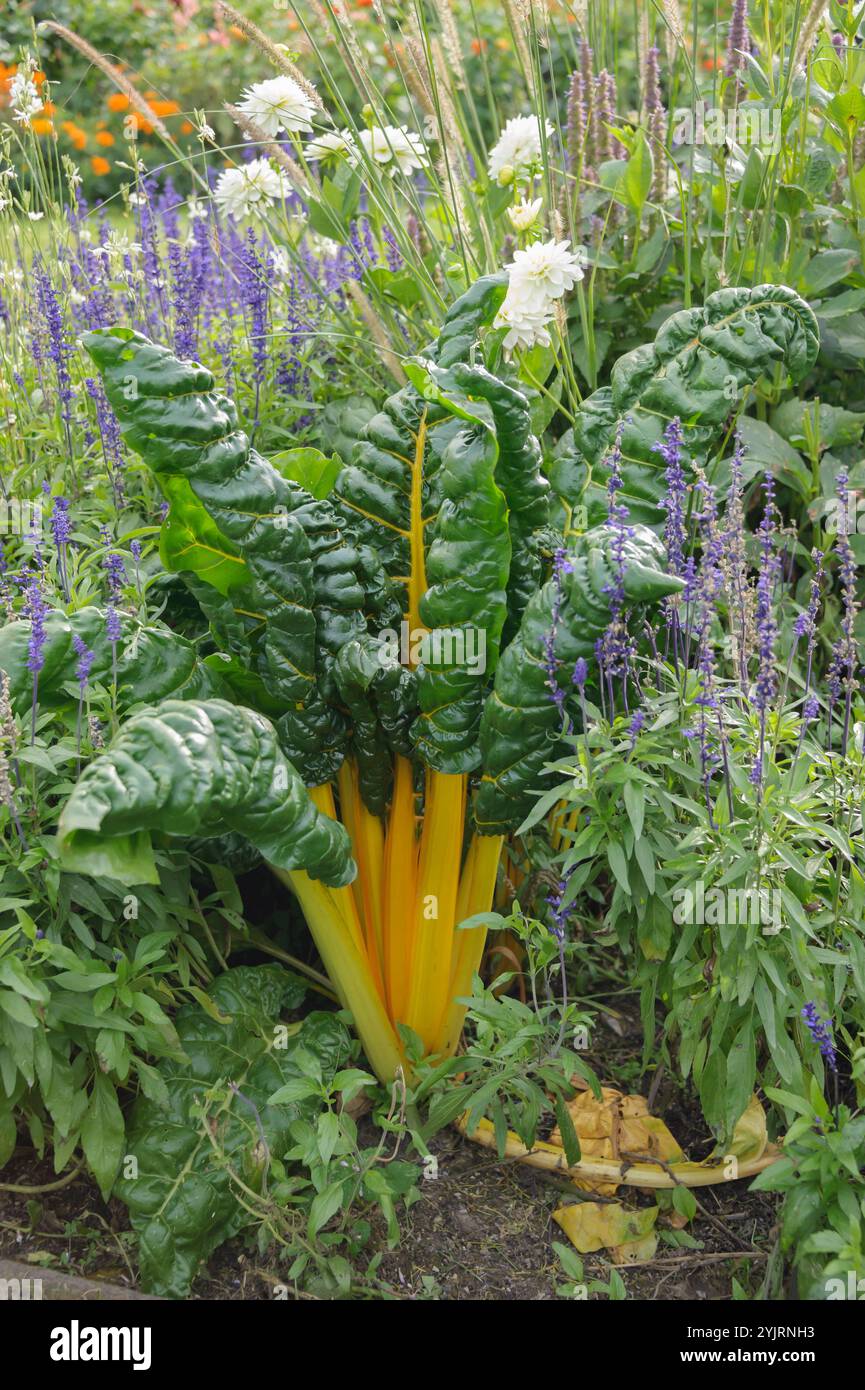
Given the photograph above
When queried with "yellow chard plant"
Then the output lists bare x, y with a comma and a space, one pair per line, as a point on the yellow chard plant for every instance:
379, 708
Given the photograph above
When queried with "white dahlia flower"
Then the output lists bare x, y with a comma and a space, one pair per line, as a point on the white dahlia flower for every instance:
276, 104
249, 189
517, 148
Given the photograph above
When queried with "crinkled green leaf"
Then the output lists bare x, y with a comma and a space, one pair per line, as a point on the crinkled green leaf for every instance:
381, 697
196, 768
152, 661
521, 723
180, 1191
297, 596
697, 368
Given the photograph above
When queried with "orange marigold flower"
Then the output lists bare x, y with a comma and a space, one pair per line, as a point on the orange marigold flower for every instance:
76, 134
40, 126
48, 108
164, 108
503, 45
104, 137
117, 102
38, 77
100, 165
141, 123
187, 128
709, 64
478, 45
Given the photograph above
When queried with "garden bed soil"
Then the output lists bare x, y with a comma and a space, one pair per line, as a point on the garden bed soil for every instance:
481, 1230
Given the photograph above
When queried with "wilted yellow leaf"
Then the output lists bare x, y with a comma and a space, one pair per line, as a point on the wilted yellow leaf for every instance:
749, 1135
635, 1250
593, 1226
617, 1126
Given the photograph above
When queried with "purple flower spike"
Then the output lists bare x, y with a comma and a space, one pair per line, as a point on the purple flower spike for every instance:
85, 661
821, 1032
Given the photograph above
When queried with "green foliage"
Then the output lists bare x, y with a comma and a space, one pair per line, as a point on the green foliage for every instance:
520, 1066
697, 369
821, 1172
211, 1128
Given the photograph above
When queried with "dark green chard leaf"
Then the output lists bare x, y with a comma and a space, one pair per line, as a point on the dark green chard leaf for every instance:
374, 490
697, 369
217, 1121
251, 534
518, 474
152, 661
521, 723
381, 697
467, 572
196, 769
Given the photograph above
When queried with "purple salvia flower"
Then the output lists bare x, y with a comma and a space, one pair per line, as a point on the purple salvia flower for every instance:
849, 609
766, 685
673, 504
810, 709
85, 661
61, 530
57, 345
110, 436
113, 629
184, 302
616, 647
561, 567
821, 1033
36, 610
635, 727
736, 565
709, 586
115, 571
560, 915
392, 251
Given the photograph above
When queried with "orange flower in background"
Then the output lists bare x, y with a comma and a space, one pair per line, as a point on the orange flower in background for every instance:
187, 128
38, 78
40, 126
163, 108
76, 134
100, 165
141, 123
478, 45
48, 108
117, 102
104, 137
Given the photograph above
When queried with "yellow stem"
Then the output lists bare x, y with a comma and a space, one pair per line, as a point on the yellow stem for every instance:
343, 898
400, 884
479, 878
435, 903
367, 845
349, 970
